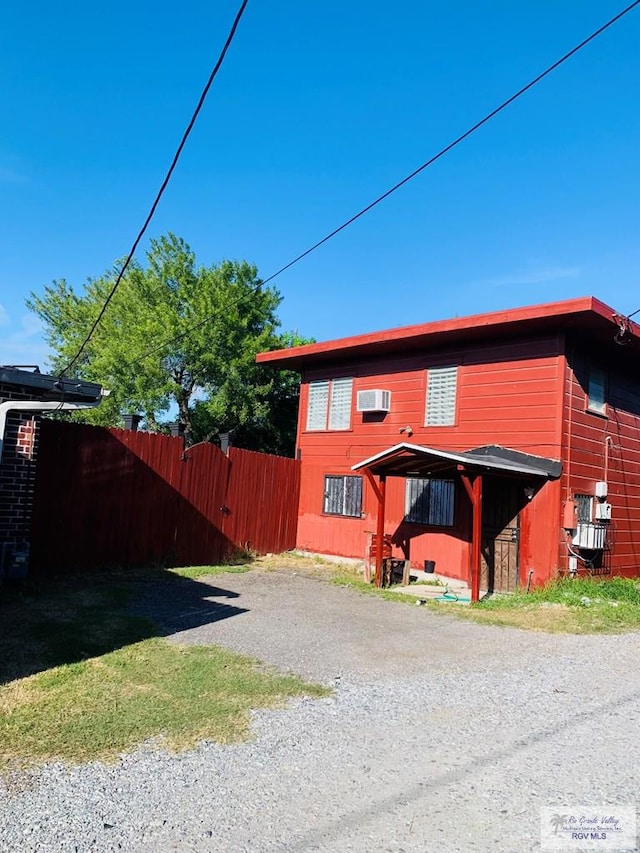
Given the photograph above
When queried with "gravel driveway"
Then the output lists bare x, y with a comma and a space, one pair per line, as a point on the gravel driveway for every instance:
442, 735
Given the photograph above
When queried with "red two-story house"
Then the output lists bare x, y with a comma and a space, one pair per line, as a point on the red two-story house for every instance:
503, 447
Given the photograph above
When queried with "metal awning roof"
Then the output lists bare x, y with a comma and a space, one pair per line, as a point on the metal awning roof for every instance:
405, 460
41, 386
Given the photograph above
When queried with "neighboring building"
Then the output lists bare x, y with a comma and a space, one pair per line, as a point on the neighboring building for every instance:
477, 443
24, 393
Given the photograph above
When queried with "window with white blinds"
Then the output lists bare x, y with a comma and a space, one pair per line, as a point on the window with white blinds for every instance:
429, 501
340, 404
317, 406
343, 495
329, 404
442, 383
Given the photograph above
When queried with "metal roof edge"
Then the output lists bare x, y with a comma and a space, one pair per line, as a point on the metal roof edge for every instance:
388, 452
551, 310
496, 462
46, 385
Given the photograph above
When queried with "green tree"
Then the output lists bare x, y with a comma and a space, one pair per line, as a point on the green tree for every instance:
208, 371
258, 406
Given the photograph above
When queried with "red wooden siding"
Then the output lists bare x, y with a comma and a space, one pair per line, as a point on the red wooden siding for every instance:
586, 437
115, 497
508, 394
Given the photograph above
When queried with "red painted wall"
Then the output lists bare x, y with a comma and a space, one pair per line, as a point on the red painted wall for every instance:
590, 438
509, 394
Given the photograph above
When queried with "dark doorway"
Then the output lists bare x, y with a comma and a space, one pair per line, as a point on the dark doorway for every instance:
502, 501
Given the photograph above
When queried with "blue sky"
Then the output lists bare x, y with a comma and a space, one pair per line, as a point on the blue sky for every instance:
318, 108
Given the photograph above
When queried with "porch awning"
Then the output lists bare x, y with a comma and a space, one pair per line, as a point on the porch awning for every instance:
406, 460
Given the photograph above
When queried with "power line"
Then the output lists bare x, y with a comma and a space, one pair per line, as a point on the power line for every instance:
625, 328
455, 142
413, 174
163, 186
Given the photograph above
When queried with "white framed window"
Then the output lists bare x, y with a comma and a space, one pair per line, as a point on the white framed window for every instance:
329, 405
596, 391
317, 405
429, 501
340, 403
442, 385
342, 495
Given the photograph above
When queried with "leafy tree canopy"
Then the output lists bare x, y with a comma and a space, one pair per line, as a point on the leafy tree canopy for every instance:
208, 371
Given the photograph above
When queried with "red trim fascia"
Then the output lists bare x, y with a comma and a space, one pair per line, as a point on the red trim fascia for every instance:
489, 320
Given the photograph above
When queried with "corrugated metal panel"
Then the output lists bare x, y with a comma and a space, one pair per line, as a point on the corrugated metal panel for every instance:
114, 497
262, 501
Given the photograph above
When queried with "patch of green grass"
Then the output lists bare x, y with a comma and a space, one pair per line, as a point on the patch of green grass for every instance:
339, 574
574, 606
240, 556
98, 708
195, 572
61, 622
584, 591
82, 677
577, 606
347, 577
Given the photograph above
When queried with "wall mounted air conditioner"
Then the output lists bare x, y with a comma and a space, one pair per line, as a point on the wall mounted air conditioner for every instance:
373, 400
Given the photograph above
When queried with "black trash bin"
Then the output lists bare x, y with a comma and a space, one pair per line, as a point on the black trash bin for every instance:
430, 566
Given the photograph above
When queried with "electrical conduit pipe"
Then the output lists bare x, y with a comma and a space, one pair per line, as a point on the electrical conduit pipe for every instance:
40, 406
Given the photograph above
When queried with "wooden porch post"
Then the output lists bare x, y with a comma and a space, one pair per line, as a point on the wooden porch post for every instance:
382, 490
474, 490
476, 541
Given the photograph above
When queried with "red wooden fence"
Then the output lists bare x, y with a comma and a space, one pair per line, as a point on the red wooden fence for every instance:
109, 497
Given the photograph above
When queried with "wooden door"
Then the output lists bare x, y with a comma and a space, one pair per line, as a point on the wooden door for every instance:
501, 503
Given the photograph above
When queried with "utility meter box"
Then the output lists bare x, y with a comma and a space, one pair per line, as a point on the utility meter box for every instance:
603, 511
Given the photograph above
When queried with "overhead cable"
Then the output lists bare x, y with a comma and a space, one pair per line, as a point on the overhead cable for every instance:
457, 141
163, 187
405, 180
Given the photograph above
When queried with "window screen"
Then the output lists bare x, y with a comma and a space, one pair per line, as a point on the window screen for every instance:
340, 405
441, 396
584, 506
429, 501
317, 407
329, 405
343, 495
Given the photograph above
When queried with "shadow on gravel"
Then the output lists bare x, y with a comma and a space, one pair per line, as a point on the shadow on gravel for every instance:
69, 620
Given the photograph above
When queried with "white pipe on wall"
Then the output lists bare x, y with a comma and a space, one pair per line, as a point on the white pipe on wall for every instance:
38, 406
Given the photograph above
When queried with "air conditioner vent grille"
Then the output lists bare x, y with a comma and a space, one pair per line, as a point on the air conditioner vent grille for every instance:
374, 400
